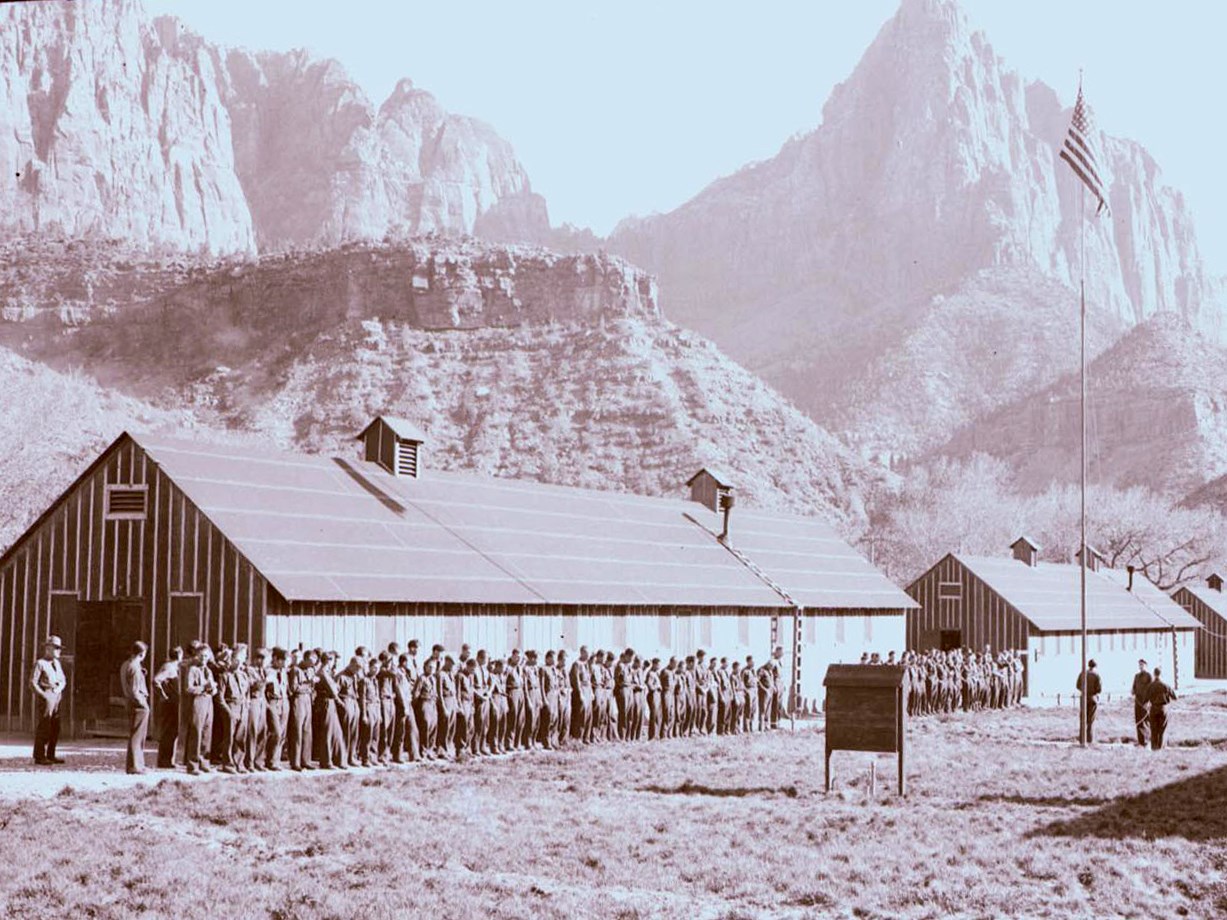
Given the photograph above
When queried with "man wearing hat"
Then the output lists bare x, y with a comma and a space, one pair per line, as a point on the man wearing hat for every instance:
1094, 686
48, 682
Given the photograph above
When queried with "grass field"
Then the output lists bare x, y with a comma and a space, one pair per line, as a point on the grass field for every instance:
1003, 818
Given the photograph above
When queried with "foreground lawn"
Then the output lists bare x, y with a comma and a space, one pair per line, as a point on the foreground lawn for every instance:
1001, 819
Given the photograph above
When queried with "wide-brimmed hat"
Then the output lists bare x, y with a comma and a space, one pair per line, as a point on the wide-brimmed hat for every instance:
54, 640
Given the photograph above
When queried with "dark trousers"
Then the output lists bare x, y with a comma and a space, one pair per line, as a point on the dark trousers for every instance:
256, 738
464, 729
581, 717
168, 731
1141, 719
1091, 707
428, 721
387, 728
199, 730
481, 726
47, 728
368, 740
532, 714
332, 746
138, 725
351, 728
277, 725
446, 737
229, 714
1158, 727
300, 731
515, 719
498, 724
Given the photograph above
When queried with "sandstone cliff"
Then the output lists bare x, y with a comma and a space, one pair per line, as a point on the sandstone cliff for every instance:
115, 126
1156, 416
933, 163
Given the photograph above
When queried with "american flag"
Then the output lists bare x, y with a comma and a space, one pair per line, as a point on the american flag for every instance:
1079, 152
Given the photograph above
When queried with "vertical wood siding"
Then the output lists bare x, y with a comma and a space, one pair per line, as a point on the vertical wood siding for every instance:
1210, 657
980, 614
75, 551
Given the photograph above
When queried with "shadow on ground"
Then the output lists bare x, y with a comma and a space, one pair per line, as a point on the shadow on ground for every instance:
689, 788
1194, 808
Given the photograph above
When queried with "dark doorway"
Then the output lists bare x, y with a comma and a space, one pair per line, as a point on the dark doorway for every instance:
185, 625
951, 640
104, 636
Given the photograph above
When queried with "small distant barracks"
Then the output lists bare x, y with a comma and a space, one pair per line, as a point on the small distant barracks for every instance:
167, 540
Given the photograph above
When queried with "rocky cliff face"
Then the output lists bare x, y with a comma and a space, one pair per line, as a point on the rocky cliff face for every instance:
113, 126
1156, 416
933, 163
106, 131
517, 361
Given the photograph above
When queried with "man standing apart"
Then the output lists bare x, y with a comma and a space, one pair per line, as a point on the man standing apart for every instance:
132, 682
1141, 692
48, 683
1094, 687
1158, 696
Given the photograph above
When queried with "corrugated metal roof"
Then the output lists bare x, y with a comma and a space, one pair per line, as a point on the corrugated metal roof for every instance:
331, 529
1215, 600
1048, 594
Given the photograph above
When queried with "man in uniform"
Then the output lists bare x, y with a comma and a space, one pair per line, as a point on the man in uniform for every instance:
531, 673
481, 704
513, 677
667, 680
623, 692
371, 717
48, 682
547, 724
447, 709
581, 697
387, 705
302, 697
166, 709
1158, 696
410, 676
749, 681
229, 712
1141, 697
464, 708
132, 682
257, 712
766, 695
1093, 688
426, 706
200, 689
778, 703
564, 699
497, 732
277, 697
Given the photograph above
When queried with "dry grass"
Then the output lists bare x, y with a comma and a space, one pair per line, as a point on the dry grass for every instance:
1002, 819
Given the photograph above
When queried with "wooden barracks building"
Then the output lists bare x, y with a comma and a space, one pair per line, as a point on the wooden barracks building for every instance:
169, 540
1208, 605
1026, 605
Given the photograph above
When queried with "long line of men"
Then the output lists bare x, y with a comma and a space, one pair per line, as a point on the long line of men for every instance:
946, 681
238, 715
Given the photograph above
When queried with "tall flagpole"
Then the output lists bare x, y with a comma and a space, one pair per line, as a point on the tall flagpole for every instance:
1084, 703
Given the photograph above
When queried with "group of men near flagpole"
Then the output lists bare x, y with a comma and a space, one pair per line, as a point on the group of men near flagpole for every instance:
1151, 697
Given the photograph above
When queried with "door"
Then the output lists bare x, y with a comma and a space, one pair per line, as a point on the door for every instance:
91, 653
185, 624
104, 637
952, 640
64, 625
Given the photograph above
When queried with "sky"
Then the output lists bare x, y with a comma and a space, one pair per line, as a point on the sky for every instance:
632, 107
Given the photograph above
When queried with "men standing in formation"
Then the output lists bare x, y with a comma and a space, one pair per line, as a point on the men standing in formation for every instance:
220, 711
959, 679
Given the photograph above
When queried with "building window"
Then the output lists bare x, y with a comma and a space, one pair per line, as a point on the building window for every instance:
839, 630
811, 628
868, 629
949, 591
705, 631
126, 502
619, 631
666, 631
743, 628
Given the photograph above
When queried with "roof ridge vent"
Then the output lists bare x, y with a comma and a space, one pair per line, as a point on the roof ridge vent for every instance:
711, 487
1026, 551
395, 444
